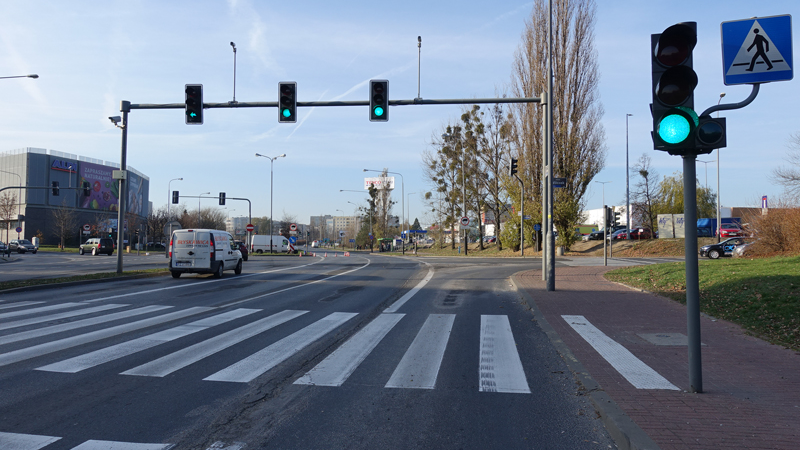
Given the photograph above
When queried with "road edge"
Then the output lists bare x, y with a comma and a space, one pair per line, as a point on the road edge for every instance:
39, 287
625, 432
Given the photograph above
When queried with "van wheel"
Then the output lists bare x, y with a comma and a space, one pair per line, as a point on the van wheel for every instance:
80, 252
176, 274
94, 251
259, 251
238, 269
218, 273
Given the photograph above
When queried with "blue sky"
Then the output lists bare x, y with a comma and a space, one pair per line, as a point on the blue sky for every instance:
91, 55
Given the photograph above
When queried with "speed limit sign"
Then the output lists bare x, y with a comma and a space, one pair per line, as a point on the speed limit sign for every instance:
465, 221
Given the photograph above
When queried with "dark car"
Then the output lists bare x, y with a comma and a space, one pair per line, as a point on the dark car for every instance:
619, 235
21, 246
724, 248
97, 246
598, 235
242, 248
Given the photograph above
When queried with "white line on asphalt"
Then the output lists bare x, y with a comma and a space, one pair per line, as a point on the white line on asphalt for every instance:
40, 309
59, 316
500, 367
185, 286
46, 331
254, 365
339, 365
50, 347
113, 445
402, 300
114, 352
15, 441
420, 365
639, 374
175, 361
18, 305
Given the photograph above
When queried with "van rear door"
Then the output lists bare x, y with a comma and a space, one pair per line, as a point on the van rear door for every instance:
191, 249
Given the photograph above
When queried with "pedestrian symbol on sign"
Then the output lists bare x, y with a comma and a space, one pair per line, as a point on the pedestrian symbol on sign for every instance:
757, 50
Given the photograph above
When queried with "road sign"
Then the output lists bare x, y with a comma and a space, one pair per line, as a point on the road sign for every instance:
526, 217
87, 227
293, 239
559, 182
757, 50
250, 227
352, 240
293, 227
19, 229
465, 221
537, 227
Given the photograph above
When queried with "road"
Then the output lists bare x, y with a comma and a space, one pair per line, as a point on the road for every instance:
366, 351
56, 264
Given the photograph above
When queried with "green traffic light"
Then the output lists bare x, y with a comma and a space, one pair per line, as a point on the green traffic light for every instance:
286, 112
378, 111
674, 129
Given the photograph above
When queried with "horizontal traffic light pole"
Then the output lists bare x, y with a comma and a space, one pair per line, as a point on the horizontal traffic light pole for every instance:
419, 101
41, 187
728, 106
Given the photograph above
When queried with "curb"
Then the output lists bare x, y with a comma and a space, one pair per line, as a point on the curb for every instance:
40, 287
624, 431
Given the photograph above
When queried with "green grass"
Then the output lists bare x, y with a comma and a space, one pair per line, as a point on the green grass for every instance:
94, 276
762, 295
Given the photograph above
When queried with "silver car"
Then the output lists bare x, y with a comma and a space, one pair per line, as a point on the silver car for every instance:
21, 246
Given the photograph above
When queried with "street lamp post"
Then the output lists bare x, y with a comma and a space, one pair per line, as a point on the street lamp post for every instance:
403, 190
198, 204
706, 163
409, 214
271, 161
719, 217
627, 178
33, 75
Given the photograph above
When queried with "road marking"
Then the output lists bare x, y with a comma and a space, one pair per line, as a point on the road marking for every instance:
18, 305
112, 445
420, 365
59, 316
51, 347
639, 374
175, 361
185, 286
500, 367
27, 312
339, 365
253, 366
102, 356
30, 334
402, 300
15, 441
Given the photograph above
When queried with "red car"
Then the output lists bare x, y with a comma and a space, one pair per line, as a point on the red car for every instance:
640, 233
730, 230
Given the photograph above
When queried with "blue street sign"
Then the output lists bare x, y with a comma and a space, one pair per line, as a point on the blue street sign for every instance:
757, 50
559, 182
352, 240
293, 239
537, 227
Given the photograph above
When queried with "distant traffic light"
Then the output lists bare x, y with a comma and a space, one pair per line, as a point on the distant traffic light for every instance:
87, 189
513, 166
54, 184
194, 104
287, 102
222, 199
609, 218
175, 197
674, 81
616, 218
378, 100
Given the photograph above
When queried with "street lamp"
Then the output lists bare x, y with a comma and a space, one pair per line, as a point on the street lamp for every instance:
271, 161
627, 178
604, 192
706, 163
198, 203
719, 217
403, 193
33, 75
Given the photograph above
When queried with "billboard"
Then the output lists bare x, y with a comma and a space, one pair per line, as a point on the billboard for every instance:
379, 182
104, 194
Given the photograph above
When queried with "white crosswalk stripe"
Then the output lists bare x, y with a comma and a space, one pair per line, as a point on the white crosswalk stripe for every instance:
59, 316
420, 365
500, 367
28, 312
18, 305
114, 352
112, 445
251, 367
17, 441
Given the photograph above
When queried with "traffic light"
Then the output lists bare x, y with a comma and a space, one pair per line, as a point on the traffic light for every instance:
87, 189
287, 104
674, 81
54, 184
513, 166
608, 217
222, 199
710, 134
194, 104
616, 218
378, 100
175, 197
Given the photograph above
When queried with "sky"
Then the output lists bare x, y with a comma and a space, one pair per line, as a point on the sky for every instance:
91, 55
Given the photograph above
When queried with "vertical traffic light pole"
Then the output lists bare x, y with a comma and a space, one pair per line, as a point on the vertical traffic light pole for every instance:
551, 248
124, 107
692, 272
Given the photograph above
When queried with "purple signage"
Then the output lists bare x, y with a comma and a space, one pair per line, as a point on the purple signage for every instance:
104, 192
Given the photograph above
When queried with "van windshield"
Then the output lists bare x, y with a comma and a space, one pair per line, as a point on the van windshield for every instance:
190, 240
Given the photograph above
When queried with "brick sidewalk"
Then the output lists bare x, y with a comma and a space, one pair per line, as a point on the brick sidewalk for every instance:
751, 396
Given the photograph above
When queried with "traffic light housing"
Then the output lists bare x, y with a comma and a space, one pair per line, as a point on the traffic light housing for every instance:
287, 102
54, 185
513, 170
194, 104
609, 218
222, 199
87, 189
378, 100
175, 197
674, 80
616, 218
710, 134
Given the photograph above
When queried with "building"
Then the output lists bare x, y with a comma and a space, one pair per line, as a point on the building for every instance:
44, 215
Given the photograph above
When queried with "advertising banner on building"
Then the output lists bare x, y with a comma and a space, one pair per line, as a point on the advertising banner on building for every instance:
104, 194
379, 182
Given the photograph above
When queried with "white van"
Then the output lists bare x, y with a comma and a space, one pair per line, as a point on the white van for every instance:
203, 251
261, 244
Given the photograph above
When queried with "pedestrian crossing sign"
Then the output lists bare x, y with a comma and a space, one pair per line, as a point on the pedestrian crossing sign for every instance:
757, 50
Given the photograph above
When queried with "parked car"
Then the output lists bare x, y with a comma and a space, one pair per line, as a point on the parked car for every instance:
724, 248
97, 246
3, 246
21, 246
742, 250
619, 234
730, 230
640, 233
242, 248
598, 235
489, 239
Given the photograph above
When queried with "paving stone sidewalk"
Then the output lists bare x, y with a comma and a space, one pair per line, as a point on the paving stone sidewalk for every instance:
751, 397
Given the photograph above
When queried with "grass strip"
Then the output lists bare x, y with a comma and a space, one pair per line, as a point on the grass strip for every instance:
94, 276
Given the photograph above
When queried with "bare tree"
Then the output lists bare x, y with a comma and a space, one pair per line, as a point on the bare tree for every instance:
8, 210
286, 221
65, 222
578, 151
644, 197
789, 176
156, 221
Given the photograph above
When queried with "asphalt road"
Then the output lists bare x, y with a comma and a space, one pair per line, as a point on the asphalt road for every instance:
57, 264
301, 353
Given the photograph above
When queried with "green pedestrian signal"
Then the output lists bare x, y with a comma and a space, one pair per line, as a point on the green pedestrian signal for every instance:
287, 102
378, 100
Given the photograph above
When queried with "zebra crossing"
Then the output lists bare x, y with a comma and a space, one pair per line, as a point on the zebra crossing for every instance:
497, 361
19, 441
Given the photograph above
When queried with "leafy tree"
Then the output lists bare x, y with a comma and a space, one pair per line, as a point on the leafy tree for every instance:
443, 169
670, 197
